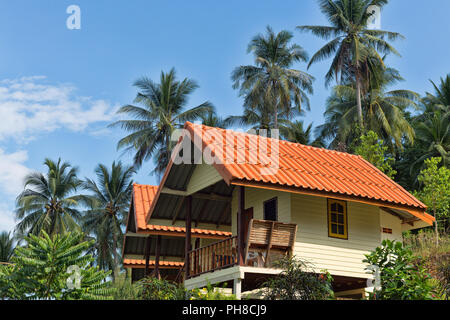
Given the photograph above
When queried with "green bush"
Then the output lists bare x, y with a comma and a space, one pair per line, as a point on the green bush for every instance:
210, 293
298, 281
151, 288
401, 275
42, 270
124, 289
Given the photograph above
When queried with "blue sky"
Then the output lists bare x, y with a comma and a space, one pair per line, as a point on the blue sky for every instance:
59, 88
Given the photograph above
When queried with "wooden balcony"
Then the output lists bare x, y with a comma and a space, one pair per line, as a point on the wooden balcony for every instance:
213, 257
266, 242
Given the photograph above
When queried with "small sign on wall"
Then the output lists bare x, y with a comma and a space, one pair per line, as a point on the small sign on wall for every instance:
386, 230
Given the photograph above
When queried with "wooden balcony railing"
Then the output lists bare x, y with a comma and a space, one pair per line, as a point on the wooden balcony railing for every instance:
213, 257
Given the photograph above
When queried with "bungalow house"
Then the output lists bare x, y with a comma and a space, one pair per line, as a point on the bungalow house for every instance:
231, 203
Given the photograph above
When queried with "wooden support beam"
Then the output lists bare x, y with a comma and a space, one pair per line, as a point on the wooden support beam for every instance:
210, 196
178, 209
240, 225
147, 255
157, 254
187, 246
174, 192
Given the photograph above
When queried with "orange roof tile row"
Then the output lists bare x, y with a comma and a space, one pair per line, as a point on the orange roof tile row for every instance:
162, 263
143, 196
194, 231
298, 165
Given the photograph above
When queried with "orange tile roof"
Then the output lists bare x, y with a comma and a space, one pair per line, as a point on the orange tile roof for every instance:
300, 166
129, 263
143, 195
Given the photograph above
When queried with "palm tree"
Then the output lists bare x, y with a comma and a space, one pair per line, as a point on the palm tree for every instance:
211, 119
295, 132
384, 112
108, 206
260, 117
352, 45
48, 202
271, 82
441, 98
163, 110
433, 135
6, 246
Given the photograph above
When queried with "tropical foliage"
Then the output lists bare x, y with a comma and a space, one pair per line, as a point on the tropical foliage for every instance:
52, 268
298, 281
400, 275
163, 109
357, 50
373, 150
294, 131
383, 112
210, 293
152, 288
271, 82
107, 210
436, 190
6, 246
48, 202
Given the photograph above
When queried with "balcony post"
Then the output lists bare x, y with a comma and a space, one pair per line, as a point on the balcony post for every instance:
240, 226
158, 252
147, 255
187, 246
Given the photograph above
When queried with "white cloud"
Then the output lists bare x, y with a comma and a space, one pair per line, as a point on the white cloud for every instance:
12, 171
7, 222
29, 106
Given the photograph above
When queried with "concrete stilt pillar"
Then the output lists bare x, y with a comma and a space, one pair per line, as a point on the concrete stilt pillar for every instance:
237, 288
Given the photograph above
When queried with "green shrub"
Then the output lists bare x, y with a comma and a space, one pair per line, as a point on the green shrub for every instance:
298, 281
124, 288
210, 293
151, 288
41, 270
401, 276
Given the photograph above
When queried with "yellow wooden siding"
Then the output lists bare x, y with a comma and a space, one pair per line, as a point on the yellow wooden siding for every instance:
338, 256
255, 197
203, 176
389, 221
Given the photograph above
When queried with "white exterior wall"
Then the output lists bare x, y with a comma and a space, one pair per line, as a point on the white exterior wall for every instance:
389, 221
203, 176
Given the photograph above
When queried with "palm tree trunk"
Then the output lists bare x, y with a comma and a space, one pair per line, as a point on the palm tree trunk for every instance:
358, 99
276, 117
116, 260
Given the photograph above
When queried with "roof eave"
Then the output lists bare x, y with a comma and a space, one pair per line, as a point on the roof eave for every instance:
418, 212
